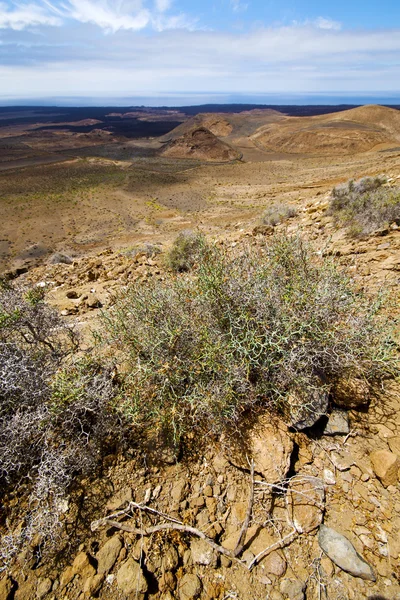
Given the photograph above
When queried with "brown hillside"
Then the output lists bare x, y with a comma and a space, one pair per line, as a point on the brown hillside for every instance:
201, 144
228, 124
351, 131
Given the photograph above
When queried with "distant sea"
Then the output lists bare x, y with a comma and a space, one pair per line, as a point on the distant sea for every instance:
193, 99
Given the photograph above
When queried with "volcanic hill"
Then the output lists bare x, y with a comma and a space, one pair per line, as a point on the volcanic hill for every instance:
201, 144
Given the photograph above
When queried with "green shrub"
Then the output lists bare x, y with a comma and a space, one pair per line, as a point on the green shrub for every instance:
256, 329
186, 251
366, 205
278, 213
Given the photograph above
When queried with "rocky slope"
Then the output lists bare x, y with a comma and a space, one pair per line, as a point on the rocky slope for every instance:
325, 508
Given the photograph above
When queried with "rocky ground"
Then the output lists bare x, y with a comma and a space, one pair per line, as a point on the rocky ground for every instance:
318, 519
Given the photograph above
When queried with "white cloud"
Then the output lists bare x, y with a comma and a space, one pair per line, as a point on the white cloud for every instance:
323, 23
109, 15
238, 5
108, 18
163, 5
25, 15
75, 60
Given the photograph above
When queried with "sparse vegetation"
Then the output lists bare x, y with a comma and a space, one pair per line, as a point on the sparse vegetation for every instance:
186, 251
366, 205
268, 330
278, 213
55, 414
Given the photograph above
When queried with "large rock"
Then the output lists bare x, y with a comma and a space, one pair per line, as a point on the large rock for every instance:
130, 579
305, 501
386, 466
350, 392
338, 423
189, 587
306, 412
342, 552
108, 554
270, 446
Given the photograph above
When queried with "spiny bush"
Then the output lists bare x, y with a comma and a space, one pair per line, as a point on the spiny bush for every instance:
271, 330
56, 414
186, 251
366, 205
278, 213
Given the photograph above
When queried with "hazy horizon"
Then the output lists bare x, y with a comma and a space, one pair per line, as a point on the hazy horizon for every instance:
199, 99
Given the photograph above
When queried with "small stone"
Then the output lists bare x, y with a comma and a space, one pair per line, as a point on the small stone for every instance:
156, 492
342, 461
343, 554
178, 490
305, 498
293, 589
130, 579
394, 445
338, 423
66, 577
327, 566
208, 491
275, 564
329, 477
93, 584
202, 553
43, 588
225, 561
108, 554
189, 587
386, 466
198, 502
58, 258
93, 301
170, 559
265, 580
82, 566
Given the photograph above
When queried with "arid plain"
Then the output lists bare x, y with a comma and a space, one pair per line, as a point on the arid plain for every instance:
76, 186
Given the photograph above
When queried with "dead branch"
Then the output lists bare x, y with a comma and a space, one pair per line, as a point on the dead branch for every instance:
279, 544
176, 526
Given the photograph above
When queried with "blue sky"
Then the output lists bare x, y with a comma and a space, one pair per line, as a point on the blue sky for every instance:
132, 48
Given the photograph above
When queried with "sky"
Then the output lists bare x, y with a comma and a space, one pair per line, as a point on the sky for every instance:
204, 49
